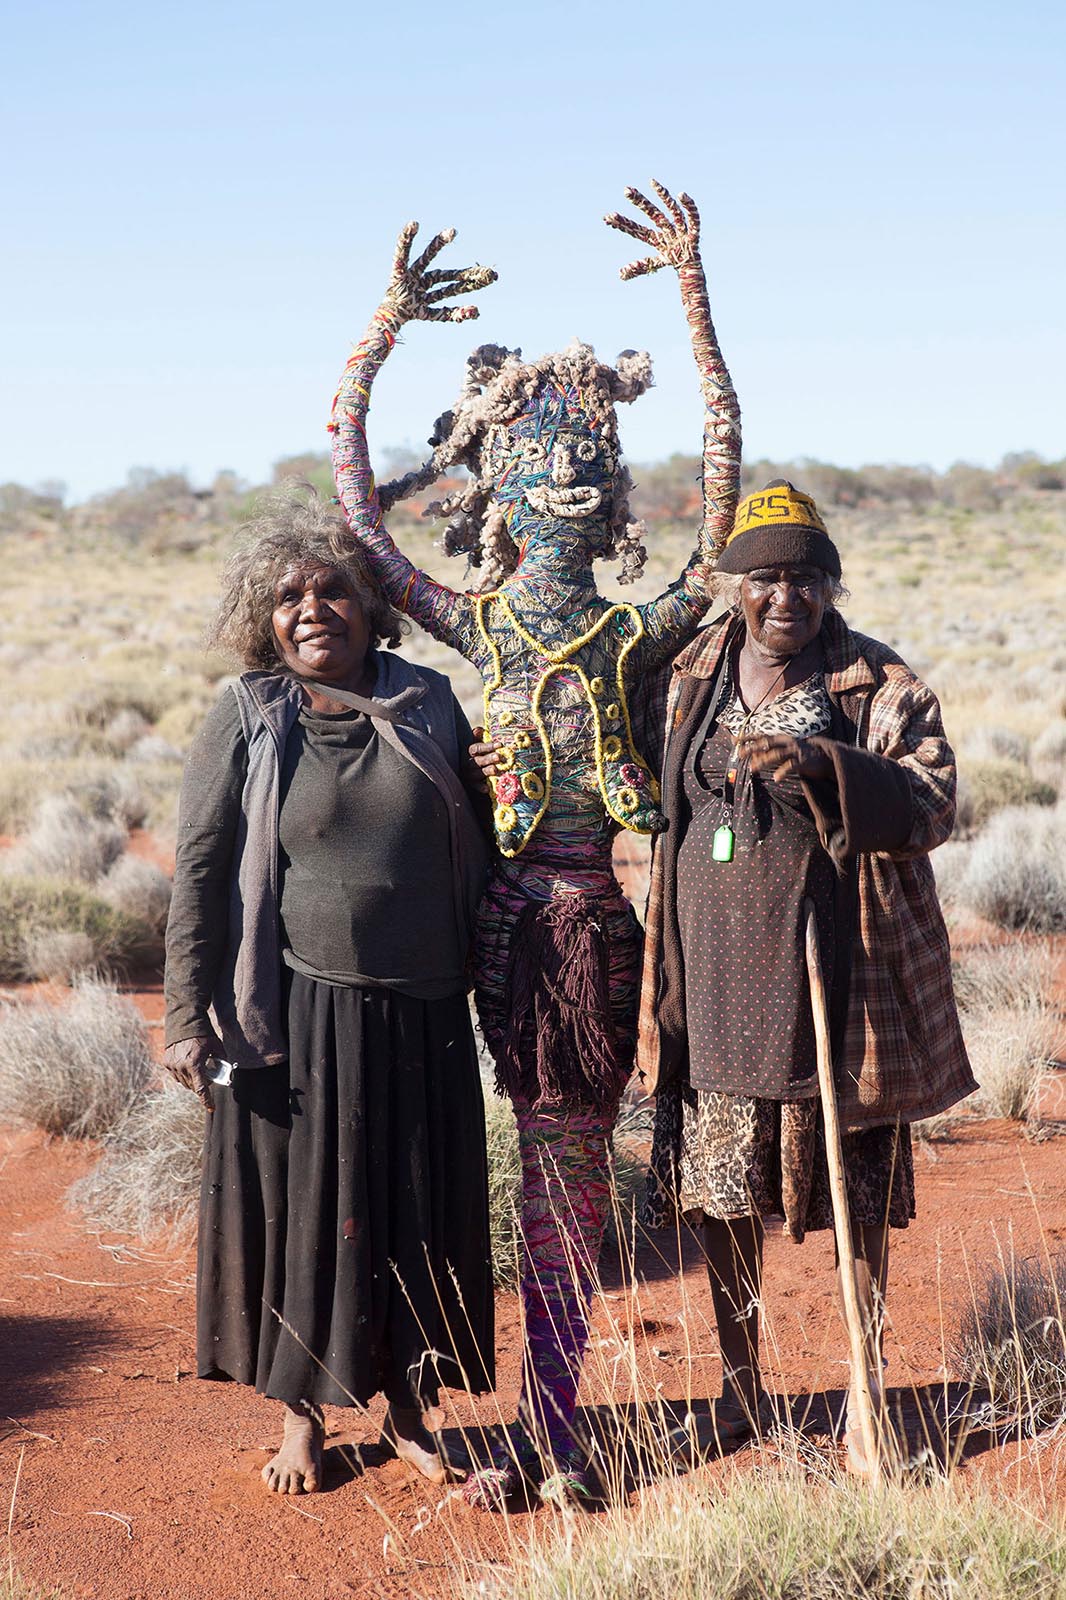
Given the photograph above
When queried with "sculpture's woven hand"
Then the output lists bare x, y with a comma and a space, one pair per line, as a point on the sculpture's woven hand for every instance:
416, 292
674, 234
674, 238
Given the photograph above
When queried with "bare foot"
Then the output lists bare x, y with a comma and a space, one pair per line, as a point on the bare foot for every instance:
297, 1467
405, 1433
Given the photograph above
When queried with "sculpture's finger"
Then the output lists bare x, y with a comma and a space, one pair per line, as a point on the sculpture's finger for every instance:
670, 203
635, 230
433, 249
403, 248
649, 208
441, 275
452, 314
467, 281
693, 216
637, 269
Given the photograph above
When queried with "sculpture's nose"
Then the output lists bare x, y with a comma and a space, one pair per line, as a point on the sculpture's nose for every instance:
563, 470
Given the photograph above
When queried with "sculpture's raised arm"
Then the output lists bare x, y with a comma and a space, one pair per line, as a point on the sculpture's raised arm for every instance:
673, 232
416, 293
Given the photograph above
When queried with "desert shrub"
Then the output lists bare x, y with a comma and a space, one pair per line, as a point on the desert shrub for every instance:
1012, 1341
1008, 1020
64, 841
100, 703
949, 862
180, 724
1049, 747
986, 787
148, 1174
1009, 1048
1014, 973
30, 907
995, 743
153, 748
776, 1536
58, 957
104, 788
971, 488
139, 889
1029, 470
73, 1069
124, 729
1015, 872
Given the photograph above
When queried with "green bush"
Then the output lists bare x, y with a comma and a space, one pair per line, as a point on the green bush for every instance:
30, 907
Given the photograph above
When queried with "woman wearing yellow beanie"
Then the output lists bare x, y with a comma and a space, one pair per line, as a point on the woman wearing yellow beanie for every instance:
802, 761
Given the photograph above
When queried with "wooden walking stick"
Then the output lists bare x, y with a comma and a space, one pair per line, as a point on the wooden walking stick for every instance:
857, 1332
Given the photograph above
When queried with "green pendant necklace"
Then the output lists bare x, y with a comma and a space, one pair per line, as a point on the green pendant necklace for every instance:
724, 840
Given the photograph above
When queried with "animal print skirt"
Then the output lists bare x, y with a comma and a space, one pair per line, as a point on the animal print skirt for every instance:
728, 1156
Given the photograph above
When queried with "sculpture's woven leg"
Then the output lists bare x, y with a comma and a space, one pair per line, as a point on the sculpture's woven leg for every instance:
565, 1197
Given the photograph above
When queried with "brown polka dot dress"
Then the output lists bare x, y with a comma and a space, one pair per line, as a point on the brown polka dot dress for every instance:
744, 1135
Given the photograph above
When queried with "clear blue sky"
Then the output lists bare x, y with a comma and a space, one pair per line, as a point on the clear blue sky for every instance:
201, 200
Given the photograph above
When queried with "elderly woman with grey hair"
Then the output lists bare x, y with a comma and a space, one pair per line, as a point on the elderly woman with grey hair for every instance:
802, 763
329, 865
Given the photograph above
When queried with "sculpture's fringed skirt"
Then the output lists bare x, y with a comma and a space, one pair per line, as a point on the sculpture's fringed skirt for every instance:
556, 988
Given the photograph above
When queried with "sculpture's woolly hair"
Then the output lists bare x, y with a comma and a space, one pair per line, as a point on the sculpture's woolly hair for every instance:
498, 387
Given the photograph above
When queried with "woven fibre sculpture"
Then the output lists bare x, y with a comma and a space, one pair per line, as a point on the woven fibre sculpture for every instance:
557, 949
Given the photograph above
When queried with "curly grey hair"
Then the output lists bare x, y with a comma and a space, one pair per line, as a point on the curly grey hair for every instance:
498, 387
293, 527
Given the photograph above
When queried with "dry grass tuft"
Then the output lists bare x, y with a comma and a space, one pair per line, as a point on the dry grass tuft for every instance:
14, 1587
1015, 871
1010, 1026
1049, 749
1003, 974
148, 1174
31, 908
65, 841
986, 787
776, 1536
1009, 1048
138, 889
1012, 1341
73, 1069
55, 956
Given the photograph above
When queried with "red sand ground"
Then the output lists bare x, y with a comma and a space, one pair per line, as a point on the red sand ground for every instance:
138, 1482
128, 1479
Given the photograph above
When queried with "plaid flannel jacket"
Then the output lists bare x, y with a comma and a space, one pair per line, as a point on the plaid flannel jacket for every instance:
903, 1054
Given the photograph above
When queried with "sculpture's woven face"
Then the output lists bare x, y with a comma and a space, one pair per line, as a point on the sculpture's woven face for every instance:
555, 460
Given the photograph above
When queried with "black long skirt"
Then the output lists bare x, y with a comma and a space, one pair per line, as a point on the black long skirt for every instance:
344, 1235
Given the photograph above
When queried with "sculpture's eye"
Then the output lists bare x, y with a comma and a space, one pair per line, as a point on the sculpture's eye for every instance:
586, 450
534, 453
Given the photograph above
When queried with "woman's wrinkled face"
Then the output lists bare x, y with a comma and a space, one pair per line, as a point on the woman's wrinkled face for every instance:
319, 625
784, 606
